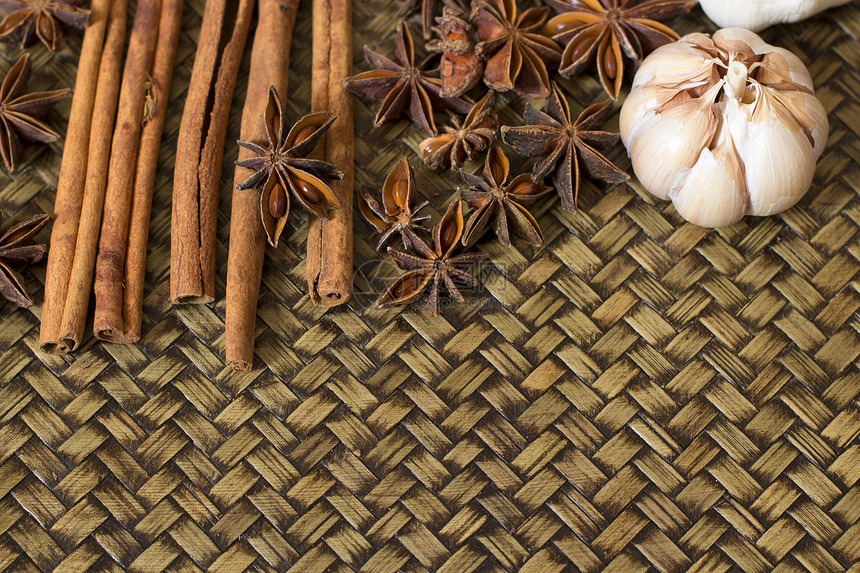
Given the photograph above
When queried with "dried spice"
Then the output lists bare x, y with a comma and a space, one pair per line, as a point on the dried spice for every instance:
431, 270
608, 31
463, 140
17, 250
282, 168
566, 149
499, 205
460, 69
22, 115
31, 20
403, 86
516, 54
396, 214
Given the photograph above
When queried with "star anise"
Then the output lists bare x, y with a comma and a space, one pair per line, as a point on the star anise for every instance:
464, 139
17, 250
609, 31
403, 86
459, 68
501, 205
566, 147
396, 213
282, 167
22, 114
29, 20
428, 11
516, 53
431, 270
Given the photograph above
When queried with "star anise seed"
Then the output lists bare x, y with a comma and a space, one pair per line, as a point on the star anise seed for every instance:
465, 139
30, 20
281, 168
501, 205
23, 115
18, 250
516, 54
403, 86
430, 270
566, 149
396, 213
608, 31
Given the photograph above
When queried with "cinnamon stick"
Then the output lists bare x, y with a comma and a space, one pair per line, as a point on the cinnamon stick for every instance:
143, 99
200, 149
83, 173
270, 64
329, 249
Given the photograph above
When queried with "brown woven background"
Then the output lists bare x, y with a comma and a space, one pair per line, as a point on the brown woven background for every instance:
637, 394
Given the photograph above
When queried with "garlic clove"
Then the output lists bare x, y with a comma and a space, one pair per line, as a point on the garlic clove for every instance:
674, 62
714, 194
776, 151
668, 141
809, 114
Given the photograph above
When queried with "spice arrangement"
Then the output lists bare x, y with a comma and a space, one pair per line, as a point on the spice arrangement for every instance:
702, 113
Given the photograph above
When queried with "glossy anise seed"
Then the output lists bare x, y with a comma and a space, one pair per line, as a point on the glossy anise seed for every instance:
432, 144
278, 202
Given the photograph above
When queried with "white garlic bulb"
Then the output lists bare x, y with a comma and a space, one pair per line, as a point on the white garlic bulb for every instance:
724, 126
757, 15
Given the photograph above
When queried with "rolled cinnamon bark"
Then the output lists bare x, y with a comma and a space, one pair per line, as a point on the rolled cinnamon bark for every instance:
83, 173
329, 258
200, 149
270, 65
145, 89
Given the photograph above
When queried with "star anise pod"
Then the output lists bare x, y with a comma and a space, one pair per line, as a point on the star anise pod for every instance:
17, 250
516, 54
501, 205
609, 31
403, 86
281, 168
31, 20
566, 148
23, 115
459, 68
428, 11
396, 213
464, 139
430, 270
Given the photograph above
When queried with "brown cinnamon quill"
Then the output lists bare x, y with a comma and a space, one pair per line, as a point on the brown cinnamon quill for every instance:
145, 88
200, 149
329, 259
83, 174
270, 64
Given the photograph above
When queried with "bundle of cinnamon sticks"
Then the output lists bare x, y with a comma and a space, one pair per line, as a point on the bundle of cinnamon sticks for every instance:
107, 175
108, 171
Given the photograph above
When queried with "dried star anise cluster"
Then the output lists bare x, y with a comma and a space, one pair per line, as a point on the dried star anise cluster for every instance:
489, 50
28, 21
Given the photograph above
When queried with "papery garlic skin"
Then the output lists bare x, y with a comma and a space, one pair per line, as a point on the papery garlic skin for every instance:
724, 126
756, 15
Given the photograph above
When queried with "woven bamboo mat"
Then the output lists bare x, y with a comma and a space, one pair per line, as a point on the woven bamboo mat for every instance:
638, 394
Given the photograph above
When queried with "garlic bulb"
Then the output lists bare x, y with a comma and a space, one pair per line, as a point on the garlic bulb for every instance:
724, 126
757, 15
